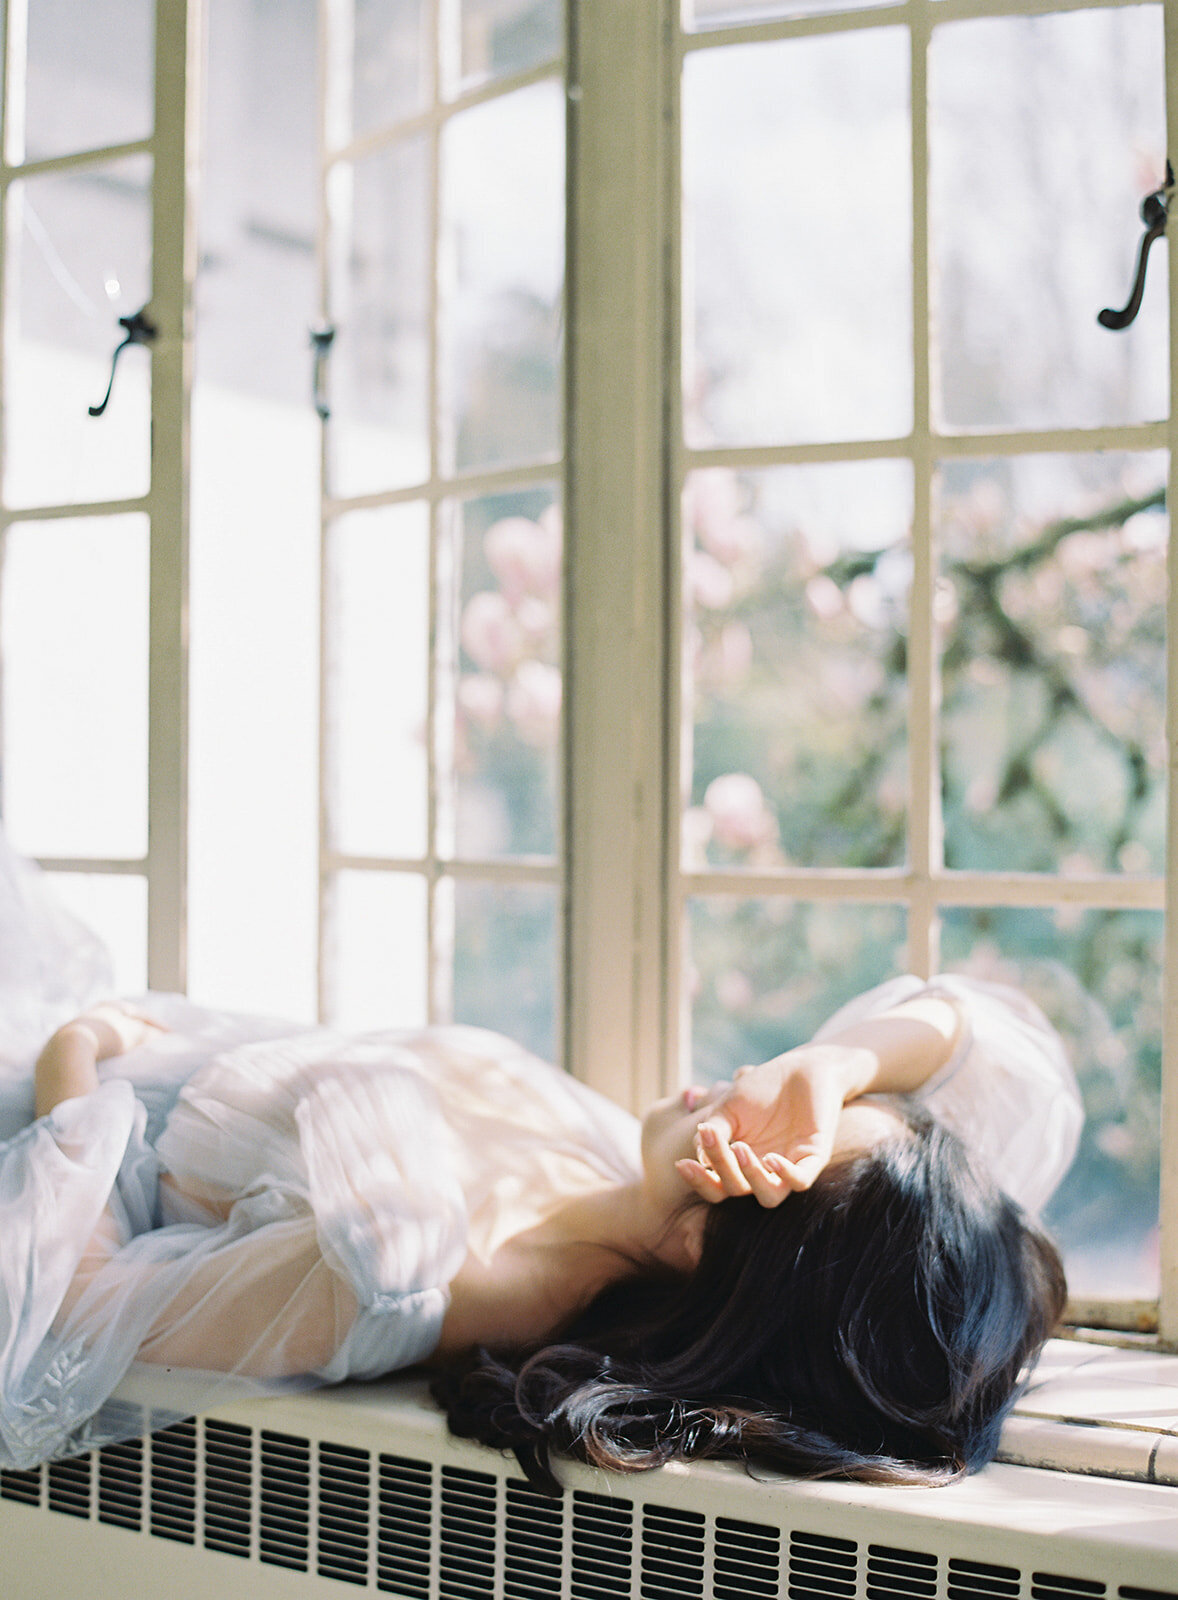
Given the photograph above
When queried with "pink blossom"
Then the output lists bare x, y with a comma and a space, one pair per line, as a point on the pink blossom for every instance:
481, 698
491, 635
734, 991
535, 617
740, 818
713, 499
710, 583
533, 702
736, 542
524, 556
734, 654
824, 597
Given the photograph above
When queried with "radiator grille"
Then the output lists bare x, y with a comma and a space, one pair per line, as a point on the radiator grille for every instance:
229, 1488
345, 1491
747, 1560
467, 1567
173, 1483
672, 1564
603, 1547
284, 1521
979, 1580
120, 1484
900, 1574
1051, 1586
69, 1486
24, 1487
821, 1568
405, 1526
533, 1554
417, 1528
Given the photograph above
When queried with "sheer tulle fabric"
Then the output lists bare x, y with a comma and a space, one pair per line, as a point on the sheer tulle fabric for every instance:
248, 1207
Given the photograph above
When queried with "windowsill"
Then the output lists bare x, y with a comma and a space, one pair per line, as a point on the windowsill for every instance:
1111, 1412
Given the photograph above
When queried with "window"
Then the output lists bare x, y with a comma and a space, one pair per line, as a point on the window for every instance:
852, 658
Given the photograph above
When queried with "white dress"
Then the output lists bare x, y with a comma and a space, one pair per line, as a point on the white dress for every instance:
310, 1197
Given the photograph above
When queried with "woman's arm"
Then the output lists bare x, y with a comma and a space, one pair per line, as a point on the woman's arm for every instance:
68, 1065
774, 1130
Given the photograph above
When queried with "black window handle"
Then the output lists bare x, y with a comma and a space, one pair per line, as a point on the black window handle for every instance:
321, 341
1155, 210
139, 330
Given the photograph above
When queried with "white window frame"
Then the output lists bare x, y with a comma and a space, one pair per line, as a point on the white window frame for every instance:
173, 147
627, 468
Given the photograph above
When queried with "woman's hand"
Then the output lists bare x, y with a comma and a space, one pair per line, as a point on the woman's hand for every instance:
773, 1131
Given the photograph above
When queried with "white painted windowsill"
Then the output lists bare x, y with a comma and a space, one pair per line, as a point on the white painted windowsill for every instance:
1094, 1409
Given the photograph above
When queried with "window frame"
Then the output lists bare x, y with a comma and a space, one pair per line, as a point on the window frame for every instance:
627, 893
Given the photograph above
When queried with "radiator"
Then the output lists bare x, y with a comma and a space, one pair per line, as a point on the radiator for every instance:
362, 1489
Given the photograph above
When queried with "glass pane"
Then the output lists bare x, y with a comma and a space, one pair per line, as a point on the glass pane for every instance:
380, 949
74, 624
763, 975
90, 79
503, 236
1097, 975
505, 961
798, 258
81, 259
1052, 596
378, 677
254, 769
796, 586
1045, 133
503, 703
504, 36
379, 433
702, 14
116, 908
390, 61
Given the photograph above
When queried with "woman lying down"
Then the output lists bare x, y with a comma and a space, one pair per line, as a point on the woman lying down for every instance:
826, 1266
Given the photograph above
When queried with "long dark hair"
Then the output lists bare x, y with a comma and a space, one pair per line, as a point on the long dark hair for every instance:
876, 1327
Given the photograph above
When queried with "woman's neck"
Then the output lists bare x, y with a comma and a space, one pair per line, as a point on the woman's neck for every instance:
539, 1279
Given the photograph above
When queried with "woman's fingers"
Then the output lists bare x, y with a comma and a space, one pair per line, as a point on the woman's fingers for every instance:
701, 1179
713, 1148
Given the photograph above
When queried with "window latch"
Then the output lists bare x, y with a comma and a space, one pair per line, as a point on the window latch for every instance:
139, 330
321, 342
1155, 209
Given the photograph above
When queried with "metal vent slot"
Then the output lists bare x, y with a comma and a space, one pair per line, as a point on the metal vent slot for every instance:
404, 1526
345, 1490
284, 1518
229, 1488
1132, 1592
979, 1580
467, 1568
822, 1568
1051, 1586
900, 1574
603, 1547
69, 1486
173, 1482
747, 1560
24, 1487
672, 1553
533, 1544
120, 1484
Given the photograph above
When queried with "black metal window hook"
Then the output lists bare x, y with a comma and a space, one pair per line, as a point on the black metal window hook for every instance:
139, 330
1155, 211
322, 337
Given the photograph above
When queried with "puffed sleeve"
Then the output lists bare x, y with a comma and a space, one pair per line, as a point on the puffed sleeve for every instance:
1008, 1090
